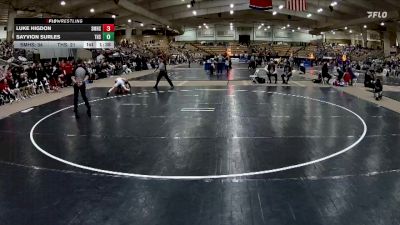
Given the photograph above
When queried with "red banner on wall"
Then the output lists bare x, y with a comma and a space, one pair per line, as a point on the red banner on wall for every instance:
261, 4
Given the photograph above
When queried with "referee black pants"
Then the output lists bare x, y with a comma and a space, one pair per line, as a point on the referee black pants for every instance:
81, 89
165, 75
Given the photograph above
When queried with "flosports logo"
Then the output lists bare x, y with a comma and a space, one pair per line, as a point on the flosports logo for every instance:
380, 15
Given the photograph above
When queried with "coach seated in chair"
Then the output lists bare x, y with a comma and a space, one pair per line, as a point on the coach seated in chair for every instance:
287, 73
369, 80
271, 71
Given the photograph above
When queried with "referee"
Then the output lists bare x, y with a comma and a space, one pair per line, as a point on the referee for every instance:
79, 78
163, 73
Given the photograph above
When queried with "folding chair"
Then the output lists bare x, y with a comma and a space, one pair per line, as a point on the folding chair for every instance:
254, 76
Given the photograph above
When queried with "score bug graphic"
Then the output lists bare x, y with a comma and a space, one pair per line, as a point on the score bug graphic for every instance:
64, 33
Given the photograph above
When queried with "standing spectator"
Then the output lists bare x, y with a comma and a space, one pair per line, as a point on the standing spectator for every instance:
325, 72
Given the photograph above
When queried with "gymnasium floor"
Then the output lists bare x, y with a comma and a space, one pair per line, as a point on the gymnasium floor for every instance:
203, 155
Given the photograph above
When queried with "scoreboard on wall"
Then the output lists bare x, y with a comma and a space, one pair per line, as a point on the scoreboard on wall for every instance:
64, 33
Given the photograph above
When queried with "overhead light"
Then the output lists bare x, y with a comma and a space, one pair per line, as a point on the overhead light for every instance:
199, 27
231, 5
288, 25
333, 32
194, 12
274, 13
269, 27
62, 3
231, 12
262, 24
292, 30
309, 15
320, 10
345, 28
113, 16
91, 10
322, 32
361, 34
259, 27
231, 24
129, 21
334, 4
382, 24
265, 29
189, 6
351, 31
154, 28
204, 24
206, 27
365, 26
167, 27
283, 27
298, 28
281, 7
141, 24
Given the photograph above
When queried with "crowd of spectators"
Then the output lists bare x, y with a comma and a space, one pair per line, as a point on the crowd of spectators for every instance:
23, 79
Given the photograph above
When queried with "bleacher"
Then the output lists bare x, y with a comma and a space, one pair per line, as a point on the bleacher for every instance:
211, 49
237, 49
281, 50
306, 51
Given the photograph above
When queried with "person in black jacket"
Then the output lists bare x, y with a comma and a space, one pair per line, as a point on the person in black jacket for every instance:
325, 72
287, 72
378, 89
369, 79
41, 79
272, 72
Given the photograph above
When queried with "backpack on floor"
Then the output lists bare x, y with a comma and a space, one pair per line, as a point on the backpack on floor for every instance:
260, 80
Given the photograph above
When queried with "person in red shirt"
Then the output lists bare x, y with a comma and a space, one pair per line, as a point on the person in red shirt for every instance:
347, 78
62, 68
68, 68
5, 91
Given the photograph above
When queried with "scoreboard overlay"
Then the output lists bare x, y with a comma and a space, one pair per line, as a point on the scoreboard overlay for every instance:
64, 33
